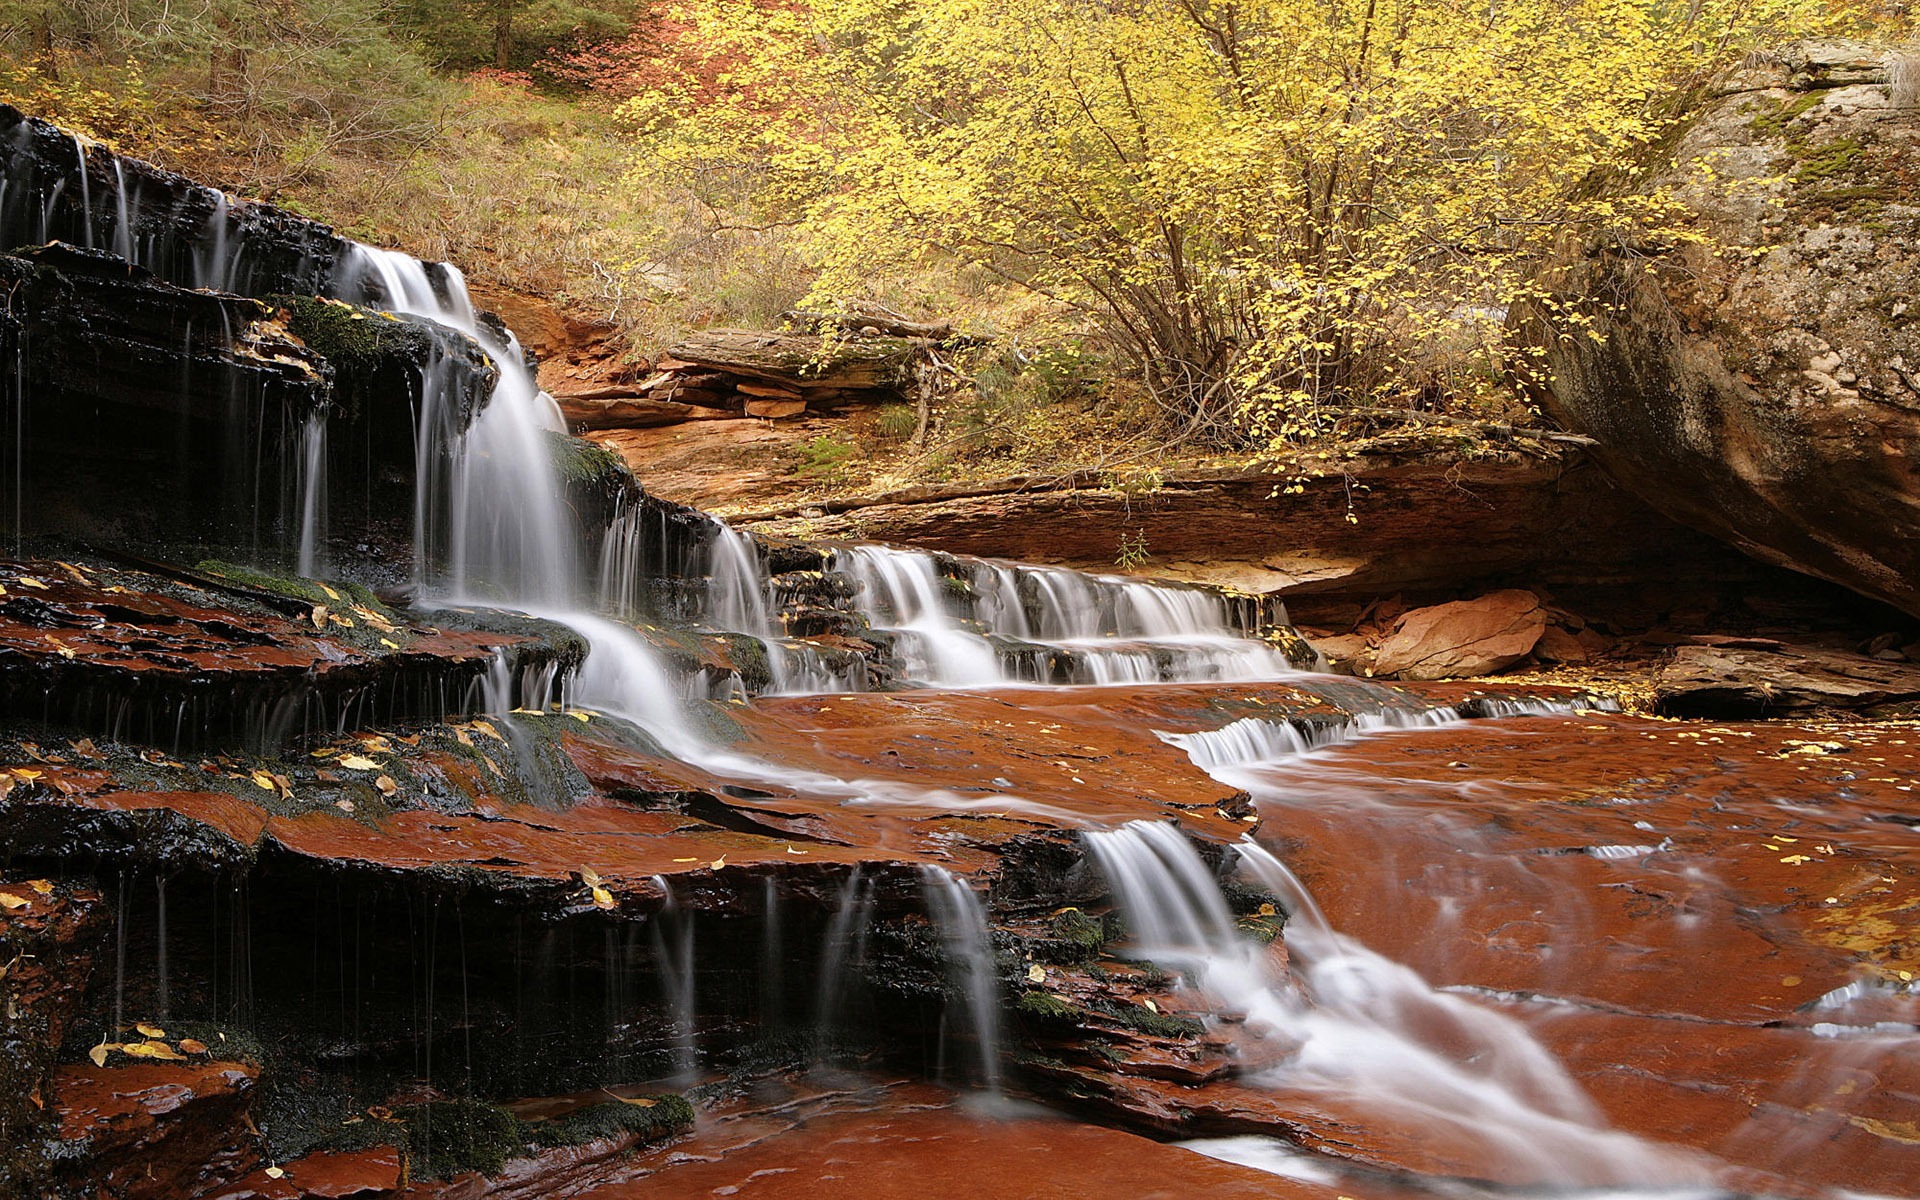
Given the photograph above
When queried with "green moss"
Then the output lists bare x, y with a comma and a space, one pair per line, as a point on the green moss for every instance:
293, 587
583, 462
450, 1137
1078, 930
346, 335
665, 1116
1047, 1007
1836, 157
1777, 120
1153, 1024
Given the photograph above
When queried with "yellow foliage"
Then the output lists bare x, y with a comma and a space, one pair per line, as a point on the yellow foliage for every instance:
1268, 206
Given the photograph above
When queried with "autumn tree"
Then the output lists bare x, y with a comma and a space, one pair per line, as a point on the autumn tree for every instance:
1266, 206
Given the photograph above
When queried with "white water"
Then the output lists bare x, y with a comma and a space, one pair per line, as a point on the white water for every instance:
1366, 1033
962, 921
499, 504
997, 623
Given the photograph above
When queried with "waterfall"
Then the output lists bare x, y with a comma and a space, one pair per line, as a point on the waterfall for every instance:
971, 623
962, 921
1357, 1027
845, 932
673, 949
312, 487
510, 533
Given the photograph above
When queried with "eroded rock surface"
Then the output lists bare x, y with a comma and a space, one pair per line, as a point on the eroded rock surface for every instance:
1764, 385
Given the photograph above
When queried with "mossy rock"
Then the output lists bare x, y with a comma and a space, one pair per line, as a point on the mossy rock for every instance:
1045, 1006
651, 1117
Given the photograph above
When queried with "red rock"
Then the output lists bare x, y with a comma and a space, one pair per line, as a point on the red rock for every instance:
1558, 646
776, 408
141, 1130
1465, 638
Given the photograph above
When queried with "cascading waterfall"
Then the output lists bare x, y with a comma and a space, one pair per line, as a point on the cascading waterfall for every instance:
1253, 740
1359, 1028
962, 921
998, 623
739, 599
509, 533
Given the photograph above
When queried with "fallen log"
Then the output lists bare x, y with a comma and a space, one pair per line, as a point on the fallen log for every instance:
800, 361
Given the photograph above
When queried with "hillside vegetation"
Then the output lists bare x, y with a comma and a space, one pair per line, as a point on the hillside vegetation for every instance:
1187, 228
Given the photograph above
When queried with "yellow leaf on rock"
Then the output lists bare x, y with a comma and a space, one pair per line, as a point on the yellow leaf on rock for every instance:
579, 716
1037, 973
719, 862
99, 1053
44, 887
461, 736
263, 780
274, 1172
487, 728
602, 898
358, 762
1266, 910
319, 616
1151, 1006
681, 860
331, 594
589, 876
386, 785
10, 902
189, 1046
149, 1031
30, 581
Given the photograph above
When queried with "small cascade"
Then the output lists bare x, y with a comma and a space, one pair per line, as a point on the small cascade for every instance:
1257, 741
902, 593
840, 956
673, 949
1362, 1029
312, 489
739, 600
1252, 740
971, 623
624, 562
962, 921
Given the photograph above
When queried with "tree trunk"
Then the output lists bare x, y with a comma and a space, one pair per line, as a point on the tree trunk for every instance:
503, 37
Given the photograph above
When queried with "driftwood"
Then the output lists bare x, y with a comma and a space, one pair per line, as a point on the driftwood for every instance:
862, 323
799, 361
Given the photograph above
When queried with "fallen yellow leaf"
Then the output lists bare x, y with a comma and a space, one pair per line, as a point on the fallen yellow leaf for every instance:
99, 1053
602, 898
1151, 1006
1266, 910
149, 1031
189, 1046
10, 902
487, 728
319, 616
358, 762
44, 887
589, 876
1037, 973
386, 785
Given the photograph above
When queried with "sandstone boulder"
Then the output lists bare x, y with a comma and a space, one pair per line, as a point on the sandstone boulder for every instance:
1764, 386
1464, 638
1755, 679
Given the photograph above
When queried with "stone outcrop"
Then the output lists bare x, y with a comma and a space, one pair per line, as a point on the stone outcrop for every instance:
62, 187
1464, 638
1764, 385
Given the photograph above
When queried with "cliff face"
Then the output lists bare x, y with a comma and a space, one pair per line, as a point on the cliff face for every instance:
1764, 383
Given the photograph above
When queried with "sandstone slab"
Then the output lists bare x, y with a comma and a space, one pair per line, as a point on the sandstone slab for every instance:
1464, 638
